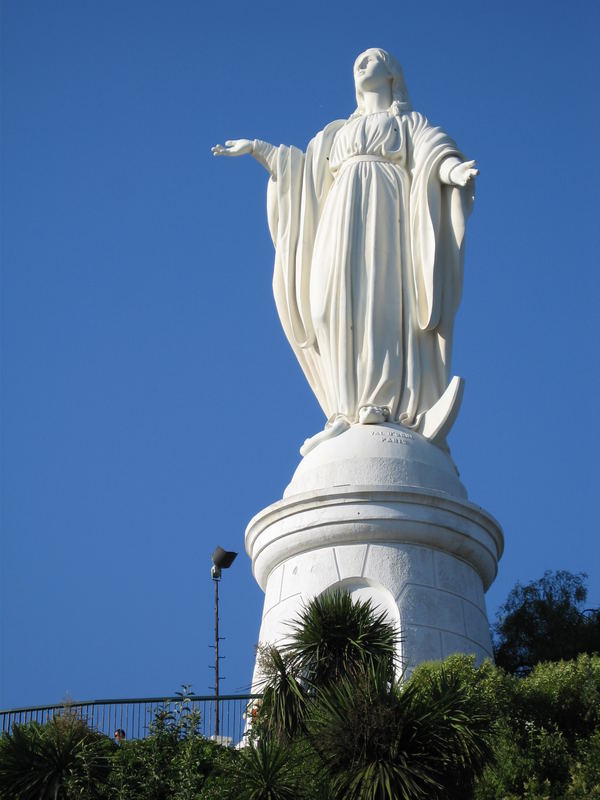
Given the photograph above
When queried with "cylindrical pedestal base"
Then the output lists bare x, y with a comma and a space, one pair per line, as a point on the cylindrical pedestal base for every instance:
425, 559
423, 553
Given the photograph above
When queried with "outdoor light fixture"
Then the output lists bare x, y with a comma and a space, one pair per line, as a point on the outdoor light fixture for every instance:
222, 559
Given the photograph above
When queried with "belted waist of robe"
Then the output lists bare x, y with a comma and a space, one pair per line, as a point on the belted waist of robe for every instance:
358, 158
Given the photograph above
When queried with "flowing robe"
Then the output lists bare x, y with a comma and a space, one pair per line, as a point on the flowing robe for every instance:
369, 260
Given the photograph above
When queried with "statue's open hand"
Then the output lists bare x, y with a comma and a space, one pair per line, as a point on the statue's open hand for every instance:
233, 147
462, 173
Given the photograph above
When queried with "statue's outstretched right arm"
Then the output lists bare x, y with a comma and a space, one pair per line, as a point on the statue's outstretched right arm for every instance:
263, 152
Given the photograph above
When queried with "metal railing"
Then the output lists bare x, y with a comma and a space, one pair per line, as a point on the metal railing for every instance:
134, 716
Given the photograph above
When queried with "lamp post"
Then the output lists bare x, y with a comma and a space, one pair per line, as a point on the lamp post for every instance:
222, 559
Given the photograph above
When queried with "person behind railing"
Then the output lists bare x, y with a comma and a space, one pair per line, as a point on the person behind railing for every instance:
119, 736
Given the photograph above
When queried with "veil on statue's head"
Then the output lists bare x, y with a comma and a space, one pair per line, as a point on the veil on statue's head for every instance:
400, 97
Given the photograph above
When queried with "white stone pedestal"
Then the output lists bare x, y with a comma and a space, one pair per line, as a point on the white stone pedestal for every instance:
380, 511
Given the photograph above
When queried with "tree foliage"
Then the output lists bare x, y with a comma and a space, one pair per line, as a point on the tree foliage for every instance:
545, 621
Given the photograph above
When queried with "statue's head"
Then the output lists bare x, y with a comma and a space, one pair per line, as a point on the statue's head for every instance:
393, 69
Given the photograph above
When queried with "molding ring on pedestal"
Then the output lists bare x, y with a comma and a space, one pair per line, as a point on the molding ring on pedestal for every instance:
363, 515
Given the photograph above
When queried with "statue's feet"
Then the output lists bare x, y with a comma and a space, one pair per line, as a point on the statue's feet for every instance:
373, 415
332, 429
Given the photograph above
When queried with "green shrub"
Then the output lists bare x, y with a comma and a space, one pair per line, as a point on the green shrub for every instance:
60, 760
585, 772
547, 734
563, 694
172, 763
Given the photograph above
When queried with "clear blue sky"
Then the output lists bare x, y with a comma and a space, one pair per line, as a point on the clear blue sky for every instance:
150, 403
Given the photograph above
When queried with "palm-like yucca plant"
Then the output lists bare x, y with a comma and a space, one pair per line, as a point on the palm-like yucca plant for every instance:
334, 682
263, 772
462, 719
378, 740
335, 637
332, 638
284, 699
55, 761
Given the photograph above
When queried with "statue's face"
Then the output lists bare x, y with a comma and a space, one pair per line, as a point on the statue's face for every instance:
370, 71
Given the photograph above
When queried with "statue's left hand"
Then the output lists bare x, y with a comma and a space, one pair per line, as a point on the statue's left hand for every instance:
462, 173
233, 147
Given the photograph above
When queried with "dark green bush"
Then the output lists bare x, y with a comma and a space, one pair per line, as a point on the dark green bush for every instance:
60, 760
172, 763
547, 735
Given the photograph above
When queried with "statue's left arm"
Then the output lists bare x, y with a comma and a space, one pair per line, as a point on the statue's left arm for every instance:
454, 172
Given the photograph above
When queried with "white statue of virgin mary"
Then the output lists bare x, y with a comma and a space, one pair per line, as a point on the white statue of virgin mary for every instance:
369, 229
